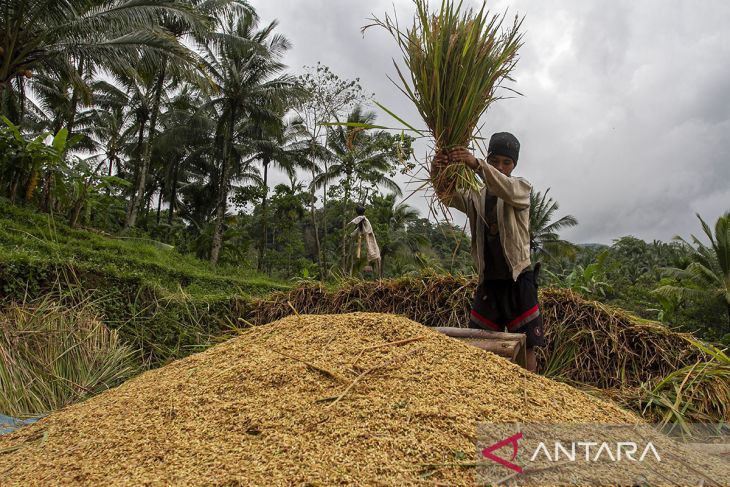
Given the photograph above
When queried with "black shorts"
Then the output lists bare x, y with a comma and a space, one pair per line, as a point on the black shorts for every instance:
507, 305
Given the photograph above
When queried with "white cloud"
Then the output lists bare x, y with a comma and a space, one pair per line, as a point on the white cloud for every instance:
626, 112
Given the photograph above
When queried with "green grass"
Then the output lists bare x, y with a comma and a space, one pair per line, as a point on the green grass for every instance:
163, 302
30, 241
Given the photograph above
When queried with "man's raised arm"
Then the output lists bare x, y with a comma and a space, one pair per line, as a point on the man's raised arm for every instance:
512, 190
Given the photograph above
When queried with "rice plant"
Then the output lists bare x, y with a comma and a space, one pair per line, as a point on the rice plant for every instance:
53, 355
455, 59
698, 393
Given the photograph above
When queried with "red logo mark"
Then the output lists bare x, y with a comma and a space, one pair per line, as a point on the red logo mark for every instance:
487, 452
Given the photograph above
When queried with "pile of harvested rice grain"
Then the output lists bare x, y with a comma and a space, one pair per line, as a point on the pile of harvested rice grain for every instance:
359, 398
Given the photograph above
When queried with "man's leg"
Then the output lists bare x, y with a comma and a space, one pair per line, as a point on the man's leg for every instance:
531, 359
526, 317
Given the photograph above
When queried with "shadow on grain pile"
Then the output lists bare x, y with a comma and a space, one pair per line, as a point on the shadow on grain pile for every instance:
356, 398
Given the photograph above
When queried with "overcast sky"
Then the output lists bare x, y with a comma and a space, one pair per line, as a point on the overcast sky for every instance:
626, 106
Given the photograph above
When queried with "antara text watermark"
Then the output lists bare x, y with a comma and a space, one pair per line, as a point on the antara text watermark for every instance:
599, 454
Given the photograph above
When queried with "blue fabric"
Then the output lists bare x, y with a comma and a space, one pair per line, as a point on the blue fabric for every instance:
9, 424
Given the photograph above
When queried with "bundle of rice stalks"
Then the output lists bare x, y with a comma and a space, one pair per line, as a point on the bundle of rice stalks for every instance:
455, 60
53, 355
440, 300
357, 399
698, 393
606, 347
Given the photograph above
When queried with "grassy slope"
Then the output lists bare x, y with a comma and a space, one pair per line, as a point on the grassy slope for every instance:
39, 242
169, 304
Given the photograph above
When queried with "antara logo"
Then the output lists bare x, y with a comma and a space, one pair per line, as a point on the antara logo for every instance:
573, 452
512, 440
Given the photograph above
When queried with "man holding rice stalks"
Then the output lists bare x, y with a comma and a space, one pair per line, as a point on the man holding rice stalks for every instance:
454, 60
498, 213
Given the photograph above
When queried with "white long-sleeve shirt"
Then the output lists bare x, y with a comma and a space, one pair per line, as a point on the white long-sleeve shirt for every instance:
373, 251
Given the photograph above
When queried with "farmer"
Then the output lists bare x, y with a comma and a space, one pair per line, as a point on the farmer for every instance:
363, 229
499, 217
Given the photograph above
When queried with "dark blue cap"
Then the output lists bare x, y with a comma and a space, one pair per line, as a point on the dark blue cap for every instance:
504, 144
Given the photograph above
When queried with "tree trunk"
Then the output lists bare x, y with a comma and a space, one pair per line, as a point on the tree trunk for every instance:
273, 244
14, 188
23, 98
71, 121
324, 228
48, 195
173, 193
147, 207
264, 216
139, 193
140, 151
159, 204
75, 212
344, 226
317, 243
217, 241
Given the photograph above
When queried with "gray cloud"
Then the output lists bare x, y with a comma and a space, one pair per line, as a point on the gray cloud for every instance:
626, 113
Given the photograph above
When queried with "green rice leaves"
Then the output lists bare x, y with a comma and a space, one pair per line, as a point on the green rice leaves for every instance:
455, 60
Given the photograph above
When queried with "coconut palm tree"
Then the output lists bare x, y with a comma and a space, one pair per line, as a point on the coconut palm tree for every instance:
186, 136
282, 144
48, 35
244, 65
544, 236
707, 278
110, 122
168, 65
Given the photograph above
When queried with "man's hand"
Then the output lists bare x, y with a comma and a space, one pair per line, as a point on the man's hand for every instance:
441, 159
457, 155
462, 155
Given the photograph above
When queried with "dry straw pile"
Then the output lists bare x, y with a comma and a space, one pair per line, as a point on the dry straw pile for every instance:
53, 355
587, 342
361, 399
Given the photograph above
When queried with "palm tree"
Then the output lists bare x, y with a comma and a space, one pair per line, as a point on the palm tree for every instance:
244, 65
185, 139
110, 122
544, 236
54, 104
707, 278
139, 88
282, 144
48, 35
178, 27
359, 161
